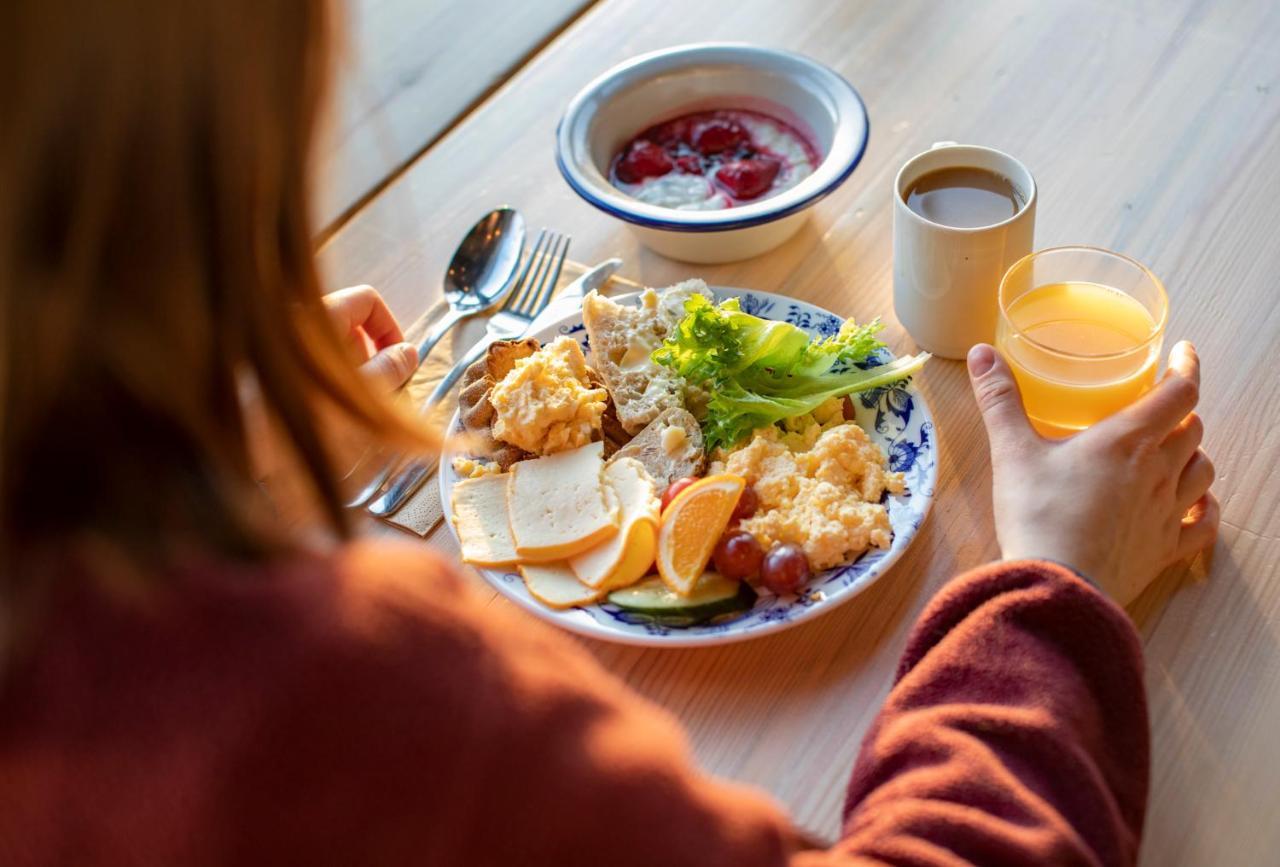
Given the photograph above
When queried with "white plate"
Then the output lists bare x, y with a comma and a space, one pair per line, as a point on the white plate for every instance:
897, 420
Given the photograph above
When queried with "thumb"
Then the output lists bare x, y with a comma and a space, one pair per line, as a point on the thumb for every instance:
998, 398
391, 366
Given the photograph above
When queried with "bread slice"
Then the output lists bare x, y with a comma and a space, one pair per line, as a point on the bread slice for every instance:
669, 447
559, 505
554, 585
622, 340
480, 517
625, 558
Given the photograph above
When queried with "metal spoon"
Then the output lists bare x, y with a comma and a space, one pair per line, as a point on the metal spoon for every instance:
481, 273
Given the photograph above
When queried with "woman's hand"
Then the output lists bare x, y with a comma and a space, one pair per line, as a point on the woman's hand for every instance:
373, 336
1119, 501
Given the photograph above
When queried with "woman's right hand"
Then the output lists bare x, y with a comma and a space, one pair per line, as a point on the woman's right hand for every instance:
372, 335
1117, 502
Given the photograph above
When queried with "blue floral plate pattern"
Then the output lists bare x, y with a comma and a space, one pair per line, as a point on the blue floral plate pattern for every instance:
896, 418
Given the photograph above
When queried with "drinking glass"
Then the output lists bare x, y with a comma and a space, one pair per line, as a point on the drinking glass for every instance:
1082, 329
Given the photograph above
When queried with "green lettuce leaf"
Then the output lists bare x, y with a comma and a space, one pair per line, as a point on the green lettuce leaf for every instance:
758, 372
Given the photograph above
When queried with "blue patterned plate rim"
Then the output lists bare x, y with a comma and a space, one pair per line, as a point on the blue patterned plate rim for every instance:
897, 418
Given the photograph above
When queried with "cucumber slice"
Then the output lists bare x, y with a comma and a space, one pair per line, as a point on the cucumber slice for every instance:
714, 597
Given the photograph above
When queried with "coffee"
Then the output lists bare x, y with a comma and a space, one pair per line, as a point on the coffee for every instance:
963, 197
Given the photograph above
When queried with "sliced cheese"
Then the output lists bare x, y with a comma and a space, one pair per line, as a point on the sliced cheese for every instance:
480, 517
626, 557
558, 505
554, 585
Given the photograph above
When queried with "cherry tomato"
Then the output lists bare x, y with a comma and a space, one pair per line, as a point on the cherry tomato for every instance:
747, 505
737, 555
785, 568
674, 488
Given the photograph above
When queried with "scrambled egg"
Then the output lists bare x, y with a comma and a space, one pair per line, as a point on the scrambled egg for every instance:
820, 480
546, 404
473, 468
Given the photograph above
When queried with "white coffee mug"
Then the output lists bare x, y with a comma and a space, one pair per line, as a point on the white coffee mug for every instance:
946, 279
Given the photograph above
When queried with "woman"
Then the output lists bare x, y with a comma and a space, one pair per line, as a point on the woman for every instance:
186, 683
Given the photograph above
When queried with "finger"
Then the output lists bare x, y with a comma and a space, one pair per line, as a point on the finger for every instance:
1180, 445
1195, 481
1199, 527
999, 400
391, 367
1160, 410
362, 307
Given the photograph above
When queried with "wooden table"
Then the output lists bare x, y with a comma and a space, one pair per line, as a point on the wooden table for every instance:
408, 70
1153, 128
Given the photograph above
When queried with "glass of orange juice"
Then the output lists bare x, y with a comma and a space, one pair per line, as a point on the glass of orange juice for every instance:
1082, 328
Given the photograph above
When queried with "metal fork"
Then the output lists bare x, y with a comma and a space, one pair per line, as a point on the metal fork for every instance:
533, 291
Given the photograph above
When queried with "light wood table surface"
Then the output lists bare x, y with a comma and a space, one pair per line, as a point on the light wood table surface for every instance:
410, 68
1152, 128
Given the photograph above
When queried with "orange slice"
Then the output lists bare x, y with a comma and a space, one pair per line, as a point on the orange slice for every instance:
692, 525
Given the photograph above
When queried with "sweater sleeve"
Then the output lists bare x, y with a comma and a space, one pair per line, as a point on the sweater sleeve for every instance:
447, 731
436, 728
1016, 732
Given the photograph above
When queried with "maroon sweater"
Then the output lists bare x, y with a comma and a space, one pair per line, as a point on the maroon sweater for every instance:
370, 710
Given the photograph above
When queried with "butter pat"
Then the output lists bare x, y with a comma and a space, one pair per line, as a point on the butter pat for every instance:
674, 439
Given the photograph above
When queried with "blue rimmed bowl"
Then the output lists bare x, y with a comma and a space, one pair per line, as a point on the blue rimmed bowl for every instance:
896, 419
651, 88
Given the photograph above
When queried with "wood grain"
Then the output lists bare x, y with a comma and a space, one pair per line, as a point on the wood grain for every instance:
1152, 128
409, 69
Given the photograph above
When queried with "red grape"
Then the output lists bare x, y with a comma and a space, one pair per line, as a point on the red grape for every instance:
785, 568
748, 502
737, 555
674, 488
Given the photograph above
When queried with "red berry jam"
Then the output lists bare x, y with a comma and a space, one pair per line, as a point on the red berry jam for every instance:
713, 159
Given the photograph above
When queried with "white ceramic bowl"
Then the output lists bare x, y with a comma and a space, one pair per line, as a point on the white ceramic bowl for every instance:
655, 87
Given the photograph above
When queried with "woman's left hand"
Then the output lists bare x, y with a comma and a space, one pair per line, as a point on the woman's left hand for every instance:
373, 336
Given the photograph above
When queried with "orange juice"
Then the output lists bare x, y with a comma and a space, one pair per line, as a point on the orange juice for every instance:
1080, 351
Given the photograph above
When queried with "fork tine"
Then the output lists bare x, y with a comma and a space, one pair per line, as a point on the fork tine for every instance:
521, 287
527, 299
549, 287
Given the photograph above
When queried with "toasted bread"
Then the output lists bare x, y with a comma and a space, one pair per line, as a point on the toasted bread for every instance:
623, 339
670, 447
474, 409
615, 436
